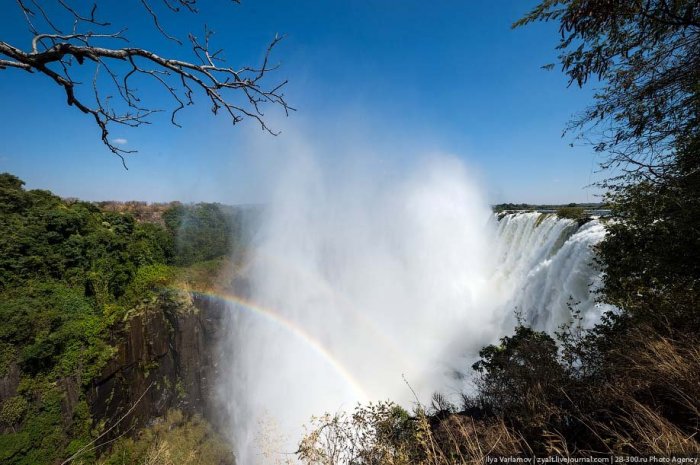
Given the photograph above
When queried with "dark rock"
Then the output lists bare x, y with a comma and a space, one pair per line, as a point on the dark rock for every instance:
9, 381
166, 357
70, 387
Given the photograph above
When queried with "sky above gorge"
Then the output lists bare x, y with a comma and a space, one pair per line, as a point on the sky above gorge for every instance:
383, 78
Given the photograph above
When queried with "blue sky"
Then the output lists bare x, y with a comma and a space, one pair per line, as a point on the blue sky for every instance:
402, 77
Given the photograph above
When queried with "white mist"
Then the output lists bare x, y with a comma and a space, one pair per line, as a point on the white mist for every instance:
364, 278
375, 277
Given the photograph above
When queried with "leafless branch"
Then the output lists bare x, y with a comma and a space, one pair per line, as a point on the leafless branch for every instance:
239, 93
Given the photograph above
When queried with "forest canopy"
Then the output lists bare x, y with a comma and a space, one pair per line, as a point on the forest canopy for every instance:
69, 274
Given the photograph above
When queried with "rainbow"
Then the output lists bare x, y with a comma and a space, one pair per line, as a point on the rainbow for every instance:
291, 327
359, 317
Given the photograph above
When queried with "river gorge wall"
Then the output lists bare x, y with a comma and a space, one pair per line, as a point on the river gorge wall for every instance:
166, 357
172, 351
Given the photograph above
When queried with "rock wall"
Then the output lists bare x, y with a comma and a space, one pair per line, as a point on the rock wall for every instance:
166, 357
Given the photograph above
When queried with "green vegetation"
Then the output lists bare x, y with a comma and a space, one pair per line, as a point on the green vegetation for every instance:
578, 214
206, 231
175, 440
503, 207
69, 274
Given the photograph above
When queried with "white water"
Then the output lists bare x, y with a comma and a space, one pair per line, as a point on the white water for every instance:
546, 265
372, 280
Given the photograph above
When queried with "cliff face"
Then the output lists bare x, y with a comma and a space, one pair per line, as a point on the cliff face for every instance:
167, 356
9, 381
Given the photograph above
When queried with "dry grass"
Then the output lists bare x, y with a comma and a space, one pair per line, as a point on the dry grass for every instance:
648, 405
658, 398
461, 440
384, 434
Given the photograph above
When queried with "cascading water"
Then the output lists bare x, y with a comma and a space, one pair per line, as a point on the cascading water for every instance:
360, 284
546, 268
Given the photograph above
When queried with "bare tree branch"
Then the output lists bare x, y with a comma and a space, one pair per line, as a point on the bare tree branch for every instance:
239, 93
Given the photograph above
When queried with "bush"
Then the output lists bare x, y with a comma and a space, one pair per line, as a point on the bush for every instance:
173, 440
148, 281
573, 213
520, 379
13, 409
385, 434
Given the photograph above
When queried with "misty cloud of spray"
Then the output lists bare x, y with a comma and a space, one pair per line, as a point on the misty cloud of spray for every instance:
377, 274
367, 271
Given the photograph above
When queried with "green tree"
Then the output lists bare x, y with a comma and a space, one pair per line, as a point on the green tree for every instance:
521, 377
203, 231
645, 118
645, 55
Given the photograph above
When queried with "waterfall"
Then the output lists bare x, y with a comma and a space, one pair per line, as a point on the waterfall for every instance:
547, 267
359, 285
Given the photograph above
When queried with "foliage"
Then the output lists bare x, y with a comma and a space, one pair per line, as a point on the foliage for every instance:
384, 433
57, 330
645, 56
61, 346
381, 433
522, 367
204, 231
43, 237
148, 281
48, 432
573, 213
176, 440
13, 410
69, 274
651, 255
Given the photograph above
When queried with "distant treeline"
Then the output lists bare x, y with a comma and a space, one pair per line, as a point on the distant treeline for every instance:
527, 206
142, 212
201, 231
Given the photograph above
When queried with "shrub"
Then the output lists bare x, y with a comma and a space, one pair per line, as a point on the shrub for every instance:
521, 378
173, 440
13, 409
573, 213
385, 434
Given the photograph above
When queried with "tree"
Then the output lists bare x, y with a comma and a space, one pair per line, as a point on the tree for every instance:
521, 378
646, 54
70, 34
651, 256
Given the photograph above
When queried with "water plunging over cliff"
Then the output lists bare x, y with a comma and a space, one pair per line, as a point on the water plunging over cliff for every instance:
546, 265
359, 282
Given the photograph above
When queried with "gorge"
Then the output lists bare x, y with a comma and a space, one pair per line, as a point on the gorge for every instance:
336, 295
387, 290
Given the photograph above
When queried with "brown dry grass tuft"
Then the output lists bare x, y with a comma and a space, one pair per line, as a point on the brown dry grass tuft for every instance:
648, 403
